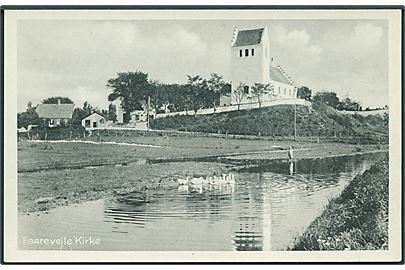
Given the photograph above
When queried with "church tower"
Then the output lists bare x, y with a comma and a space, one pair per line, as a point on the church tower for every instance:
250, 58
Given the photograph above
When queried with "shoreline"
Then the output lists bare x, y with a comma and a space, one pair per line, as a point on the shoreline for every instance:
55, 174
365, 201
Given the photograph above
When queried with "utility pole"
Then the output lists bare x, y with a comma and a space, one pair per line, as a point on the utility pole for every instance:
148, 112
295, 122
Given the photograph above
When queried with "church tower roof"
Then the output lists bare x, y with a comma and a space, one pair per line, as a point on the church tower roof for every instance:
249, 37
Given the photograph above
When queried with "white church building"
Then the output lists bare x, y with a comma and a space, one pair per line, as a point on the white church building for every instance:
251, 63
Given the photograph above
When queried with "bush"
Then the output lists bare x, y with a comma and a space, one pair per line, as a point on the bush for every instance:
56, 133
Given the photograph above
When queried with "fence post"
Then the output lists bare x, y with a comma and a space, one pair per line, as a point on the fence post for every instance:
226, 135
46, 136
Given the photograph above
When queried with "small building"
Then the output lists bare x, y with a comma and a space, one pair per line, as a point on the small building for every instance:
94, 120
55, 114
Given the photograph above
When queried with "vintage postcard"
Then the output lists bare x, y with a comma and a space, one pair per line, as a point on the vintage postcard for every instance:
202, 135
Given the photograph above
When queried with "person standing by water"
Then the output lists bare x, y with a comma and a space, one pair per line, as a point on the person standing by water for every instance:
290, 153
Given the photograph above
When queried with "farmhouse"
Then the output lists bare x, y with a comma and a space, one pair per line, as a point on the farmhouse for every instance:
94, 120
251, 63
55, 114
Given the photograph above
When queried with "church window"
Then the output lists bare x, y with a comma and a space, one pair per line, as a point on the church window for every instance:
240, 53
253, 52
290, 92
279, 91
285, 91
246, 89
247, 52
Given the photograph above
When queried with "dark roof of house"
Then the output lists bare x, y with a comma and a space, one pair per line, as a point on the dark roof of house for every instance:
277, 75
55, 111
249, 37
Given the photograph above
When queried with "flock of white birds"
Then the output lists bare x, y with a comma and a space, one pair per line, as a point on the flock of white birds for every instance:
208, 180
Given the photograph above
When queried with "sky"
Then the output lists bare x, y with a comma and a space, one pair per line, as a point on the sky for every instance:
76, 58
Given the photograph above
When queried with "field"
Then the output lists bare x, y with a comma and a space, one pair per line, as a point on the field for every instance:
60, 173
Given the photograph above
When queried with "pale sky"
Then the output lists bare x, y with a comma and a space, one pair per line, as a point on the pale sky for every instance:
76, 58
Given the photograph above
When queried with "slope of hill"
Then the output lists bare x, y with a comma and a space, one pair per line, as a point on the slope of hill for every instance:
318, 120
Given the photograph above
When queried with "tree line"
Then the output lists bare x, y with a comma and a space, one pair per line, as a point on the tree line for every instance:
139, 92
331, 99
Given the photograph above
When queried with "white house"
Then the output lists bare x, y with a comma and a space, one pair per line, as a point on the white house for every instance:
94, 120
55, 114
251, 63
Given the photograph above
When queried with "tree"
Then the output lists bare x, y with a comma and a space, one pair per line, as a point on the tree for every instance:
197, 90
133, 87
112, 112
29, 117
260, 89
239, 94
329, 98
216, 85
348, 105
54, 100
304, 93
87, 108
77, 117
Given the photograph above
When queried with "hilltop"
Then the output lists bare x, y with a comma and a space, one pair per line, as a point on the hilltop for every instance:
318, 120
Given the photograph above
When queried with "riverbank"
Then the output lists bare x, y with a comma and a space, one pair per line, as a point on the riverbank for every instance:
52, 174
357, 219
34, 156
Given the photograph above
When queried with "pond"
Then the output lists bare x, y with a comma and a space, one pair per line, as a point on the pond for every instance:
269, 205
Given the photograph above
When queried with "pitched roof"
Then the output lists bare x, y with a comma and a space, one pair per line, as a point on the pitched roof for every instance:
277, 75
95, 113
55, 111
249, 37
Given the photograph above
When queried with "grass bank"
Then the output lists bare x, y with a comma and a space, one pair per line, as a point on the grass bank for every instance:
318, 120
357, 219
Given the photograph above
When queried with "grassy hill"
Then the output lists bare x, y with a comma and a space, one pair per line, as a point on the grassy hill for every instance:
318, 120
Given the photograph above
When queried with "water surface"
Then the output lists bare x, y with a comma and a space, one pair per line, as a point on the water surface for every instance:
268, 206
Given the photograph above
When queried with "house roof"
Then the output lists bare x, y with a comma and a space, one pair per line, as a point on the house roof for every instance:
277, 75
55, 111
95, 113
249, 37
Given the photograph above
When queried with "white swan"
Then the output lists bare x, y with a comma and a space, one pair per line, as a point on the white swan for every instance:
183, 181
231, 179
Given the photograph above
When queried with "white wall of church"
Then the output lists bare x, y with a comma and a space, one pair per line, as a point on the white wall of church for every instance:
282, 90
246, 69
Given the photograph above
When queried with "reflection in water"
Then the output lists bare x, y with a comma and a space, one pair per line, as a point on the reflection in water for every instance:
291, 167
264, 209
